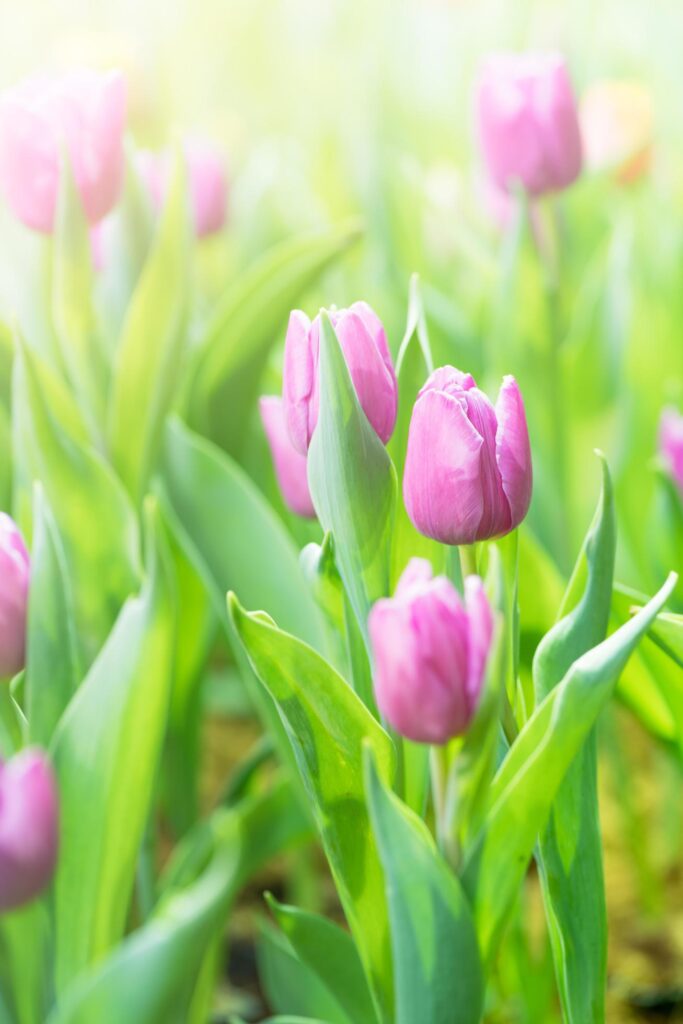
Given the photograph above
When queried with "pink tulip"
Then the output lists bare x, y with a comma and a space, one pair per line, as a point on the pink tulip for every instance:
290, 465
671, 444
82, 113
364, 344
528, 122
15, 570
207, 182
28, 827
430, 653
468, 466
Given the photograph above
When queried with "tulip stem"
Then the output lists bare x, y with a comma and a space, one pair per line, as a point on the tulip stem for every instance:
468, 560
443, 813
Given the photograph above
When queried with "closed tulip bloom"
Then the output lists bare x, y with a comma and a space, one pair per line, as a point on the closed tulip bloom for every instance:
15, 570
207, 183
671, 444
364, 344
81, 113
28, 827
290, 465
468, 470
430, 652
528, 122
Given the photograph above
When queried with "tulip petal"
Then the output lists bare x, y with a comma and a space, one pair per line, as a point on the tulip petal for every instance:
299, 379
290, 464
480, 622
513, 451
367, 357
28, 827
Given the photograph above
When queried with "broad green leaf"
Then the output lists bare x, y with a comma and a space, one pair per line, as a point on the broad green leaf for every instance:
289, 983
106, 752
52, 668
149, 358
570, 849
24, 946
526, 785
352, 481
437, 968
329, 952
94, 517
327, 723
233, 350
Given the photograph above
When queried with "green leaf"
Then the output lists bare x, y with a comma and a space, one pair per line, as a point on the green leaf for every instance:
437, 968
149, 359
288, 982
24, 947
327, 724
233, 350
526, 785
330, 953
106, 751
52, 668
352, 481
570, 850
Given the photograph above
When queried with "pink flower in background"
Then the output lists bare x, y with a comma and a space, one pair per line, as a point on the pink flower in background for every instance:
82, 114
468, 472
290, 464
671, 444
207, 182
528, 122
15, 571
364, 344
29, 827
430, 653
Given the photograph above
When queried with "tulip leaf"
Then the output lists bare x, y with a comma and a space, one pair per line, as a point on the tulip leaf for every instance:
527, 783
233, 350
570, 849
330, 953
149, 359
352, 481
437, 968
106, 752
326, 724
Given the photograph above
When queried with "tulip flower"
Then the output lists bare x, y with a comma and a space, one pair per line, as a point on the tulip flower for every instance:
468, 470
206, 179
430, 652
364, 344
290, 464
28, 827
528, 122
671, 445
14, 579
616, 127
82, 114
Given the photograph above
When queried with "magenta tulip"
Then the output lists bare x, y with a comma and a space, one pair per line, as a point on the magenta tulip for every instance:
364, 344
290, 465
528, 122
430, 653
671, 444
29, 827
83, 114
15, 570
468, 471
207, 182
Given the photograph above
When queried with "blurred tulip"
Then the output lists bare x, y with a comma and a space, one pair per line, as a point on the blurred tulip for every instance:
207, 182
15, 570
671, 444
468, 466
364, 344
29, 827
83, 113
290, 465
430, 653
528, 122
616, 127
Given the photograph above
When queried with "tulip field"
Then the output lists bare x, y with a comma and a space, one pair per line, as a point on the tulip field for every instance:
341, 512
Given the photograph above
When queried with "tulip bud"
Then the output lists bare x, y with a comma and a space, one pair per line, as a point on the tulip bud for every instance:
468, 471
83, 113
430, 653
15, 568
528, 122
671, 445
364, 344
28, 827
206, 181
290, 465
